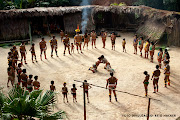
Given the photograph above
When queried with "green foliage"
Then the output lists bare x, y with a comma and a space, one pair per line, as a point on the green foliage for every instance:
120, 4
160, 4
22, 104
114, 4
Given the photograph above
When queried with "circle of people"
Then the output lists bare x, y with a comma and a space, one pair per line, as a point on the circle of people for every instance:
28, 83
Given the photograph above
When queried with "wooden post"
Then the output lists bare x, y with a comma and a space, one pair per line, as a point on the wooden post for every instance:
30, 36
148, 109
84, 101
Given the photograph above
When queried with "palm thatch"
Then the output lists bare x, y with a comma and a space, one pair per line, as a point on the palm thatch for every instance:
51, 11
153, 23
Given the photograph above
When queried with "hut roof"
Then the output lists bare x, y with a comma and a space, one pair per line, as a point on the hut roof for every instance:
50, 11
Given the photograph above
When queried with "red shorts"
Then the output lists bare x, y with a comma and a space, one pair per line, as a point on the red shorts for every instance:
159, 60
155, 80
151, 53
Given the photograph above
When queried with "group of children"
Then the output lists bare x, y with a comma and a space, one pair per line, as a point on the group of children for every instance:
14, 69
73, 90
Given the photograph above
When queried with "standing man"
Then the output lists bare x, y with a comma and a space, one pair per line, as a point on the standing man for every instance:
151, 50
166, 73
43, 47
23, 52
24, 78
33, 53
112, 82
53, 43
15, 54
62, 35
159, 57
113, 38
155, 78
66, 44
86, 88
93, 35
86, 40
78, 41
141, 42
135, 42
104, 35
146, 82
146, 48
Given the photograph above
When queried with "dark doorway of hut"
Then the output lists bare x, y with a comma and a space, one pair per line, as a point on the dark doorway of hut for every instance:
56, 24
108, 21
47, 25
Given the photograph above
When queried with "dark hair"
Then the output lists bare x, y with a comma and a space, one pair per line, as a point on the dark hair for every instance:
145, 72
168, 57
85, 35
54, 36
33, 44
19, 65
85, 80
99, 58
141, 37
148, 40
42, 37
165, 50
102, 56
10, 63
9, 68
24, 70
166, 62
52, 82
74, 85
157, 66
30, 76
111, 74
36, 77
9, 53
71, 43
123, 38
152, 42
160, 49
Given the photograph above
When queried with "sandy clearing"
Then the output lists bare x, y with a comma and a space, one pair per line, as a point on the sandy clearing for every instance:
129, 70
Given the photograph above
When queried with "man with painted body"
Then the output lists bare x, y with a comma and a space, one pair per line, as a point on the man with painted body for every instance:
141, 42
53, 43
155, 78
93, 35
23, 52
112, 82
113, 39
43, 48
78, 41
66, 44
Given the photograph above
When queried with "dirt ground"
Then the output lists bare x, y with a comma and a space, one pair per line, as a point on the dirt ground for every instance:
129, 70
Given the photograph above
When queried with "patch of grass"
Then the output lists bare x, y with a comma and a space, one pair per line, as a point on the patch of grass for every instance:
163, 47
6, 45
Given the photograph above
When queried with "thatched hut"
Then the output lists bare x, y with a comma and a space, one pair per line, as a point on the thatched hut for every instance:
149, 22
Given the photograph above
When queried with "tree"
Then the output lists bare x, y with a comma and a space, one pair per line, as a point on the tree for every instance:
161, 4
24, 105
